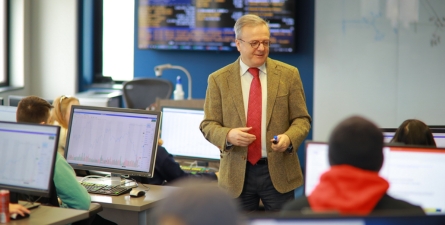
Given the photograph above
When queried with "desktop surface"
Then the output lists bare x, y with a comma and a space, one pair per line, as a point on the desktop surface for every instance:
52, 215
153, 193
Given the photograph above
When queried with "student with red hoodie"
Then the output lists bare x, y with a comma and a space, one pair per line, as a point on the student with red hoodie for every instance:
352, 185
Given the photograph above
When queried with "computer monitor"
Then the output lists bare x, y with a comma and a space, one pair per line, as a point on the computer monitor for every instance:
115, 140
438, 134
437, 126
28, 155
413, 173
182, 137
8, 113
388, 217
13, 100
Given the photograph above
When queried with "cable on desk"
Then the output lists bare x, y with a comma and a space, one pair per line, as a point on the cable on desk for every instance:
145, 186
90, 176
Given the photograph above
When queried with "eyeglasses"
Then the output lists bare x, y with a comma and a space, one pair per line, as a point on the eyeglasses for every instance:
256, 44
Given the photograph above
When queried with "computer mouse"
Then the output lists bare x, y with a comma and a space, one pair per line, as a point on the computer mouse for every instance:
16, 216
137, 193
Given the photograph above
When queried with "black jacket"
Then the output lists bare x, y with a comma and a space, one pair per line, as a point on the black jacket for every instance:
168, 170
386, 203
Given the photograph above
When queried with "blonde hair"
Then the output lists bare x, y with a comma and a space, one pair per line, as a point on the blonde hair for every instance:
60, 109
248, 20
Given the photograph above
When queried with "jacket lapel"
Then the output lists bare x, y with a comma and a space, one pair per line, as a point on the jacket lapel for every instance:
273, 81
235, 91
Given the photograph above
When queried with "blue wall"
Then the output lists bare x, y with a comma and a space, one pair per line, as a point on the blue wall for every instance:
200, 64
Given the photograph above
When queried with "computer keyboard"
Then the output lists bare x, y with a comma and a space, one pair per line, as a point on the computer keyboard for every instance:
106, 189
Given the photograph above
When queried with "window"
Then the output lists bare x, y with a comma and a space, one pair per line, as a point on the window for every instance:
118, 39
3, 43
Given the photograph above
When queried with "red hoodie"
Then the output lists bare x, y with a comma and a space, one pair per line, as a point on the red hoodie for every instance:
348, 190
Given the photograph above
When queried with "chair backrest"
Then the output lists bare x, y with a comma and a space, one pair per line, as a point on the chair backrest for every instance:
141, 93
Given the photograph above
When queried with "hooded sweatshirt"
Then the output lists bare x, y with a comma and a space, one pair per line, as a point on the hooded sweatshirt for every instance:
348, 190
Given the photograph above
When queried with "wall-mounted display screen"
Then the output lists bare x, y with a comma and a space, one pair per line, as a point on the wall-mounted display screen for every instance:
208, 24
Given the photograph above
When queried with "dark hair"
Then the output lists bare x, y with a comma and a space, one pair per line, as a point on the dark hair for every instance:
33, 109
414, 132
358, 142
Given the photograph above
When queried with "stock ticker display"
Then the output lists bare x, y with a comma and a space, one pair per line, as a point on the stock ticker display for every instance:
208, 24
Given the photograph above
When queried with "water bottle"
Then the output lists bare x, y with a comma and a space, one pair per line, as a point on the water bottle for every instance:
178, 94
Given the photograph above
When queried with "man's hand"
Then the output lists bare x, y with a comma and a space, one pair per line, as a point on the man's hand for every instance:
240, 136
17, 208
283, 143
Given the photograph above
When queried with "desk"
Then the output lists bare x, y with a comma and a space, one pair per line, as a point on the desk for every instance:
52, 215
124, 209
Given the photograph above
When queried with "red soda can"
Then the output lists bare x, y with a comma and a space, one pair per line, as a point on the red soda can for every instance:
4, 206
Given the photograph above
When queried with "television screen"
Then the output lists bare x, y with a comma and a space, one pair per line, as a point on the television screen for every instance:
208, 25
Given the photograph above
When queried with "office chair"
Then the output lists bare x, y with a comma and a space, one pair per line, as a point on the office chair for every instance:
142, 93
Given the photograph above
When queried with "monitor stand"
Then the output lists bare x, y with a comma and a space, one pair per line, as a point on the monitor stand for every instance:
202, 163
113, 179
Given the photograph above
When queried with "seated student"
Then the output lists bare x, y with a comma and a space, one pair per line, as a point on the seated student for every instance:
353, 185
60, 115
196, 203
19, 209
168, 170
33, 109
414, 132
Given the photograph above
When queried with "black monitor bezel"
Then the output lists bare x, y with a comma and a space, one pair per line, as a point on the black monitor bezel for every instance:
185, 157
34, 191
18, 98
148, 174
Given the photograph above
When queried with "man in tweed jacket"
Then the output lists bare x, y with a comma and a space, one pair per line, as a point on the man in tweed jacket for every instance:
274, 178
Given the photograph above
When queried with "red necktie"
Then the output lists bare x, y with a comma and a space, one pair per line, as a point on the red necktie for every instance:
254, 117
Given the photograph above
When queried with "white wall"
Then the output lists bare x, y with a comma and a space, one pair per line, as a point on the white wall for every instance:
366, 66
53, 48
44, 47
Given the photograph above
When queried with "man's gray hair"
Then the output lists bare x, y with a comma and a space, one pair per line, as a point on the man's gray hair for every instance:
248, 20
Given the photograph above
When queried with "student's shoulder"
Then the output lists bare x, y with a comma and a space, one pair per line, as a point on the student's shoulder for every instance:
226, 70
389, 203
296, 205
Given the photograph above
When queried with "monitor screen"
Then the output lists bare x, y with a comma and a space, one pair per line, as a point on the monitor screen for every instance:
182, 137
115, 140
438, 134
13, 100
8, 113
411, 171
28, 155
206, 25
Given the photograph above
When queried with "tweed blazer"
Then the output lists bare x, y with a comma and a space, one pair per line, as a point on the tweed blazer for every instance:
286, 114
